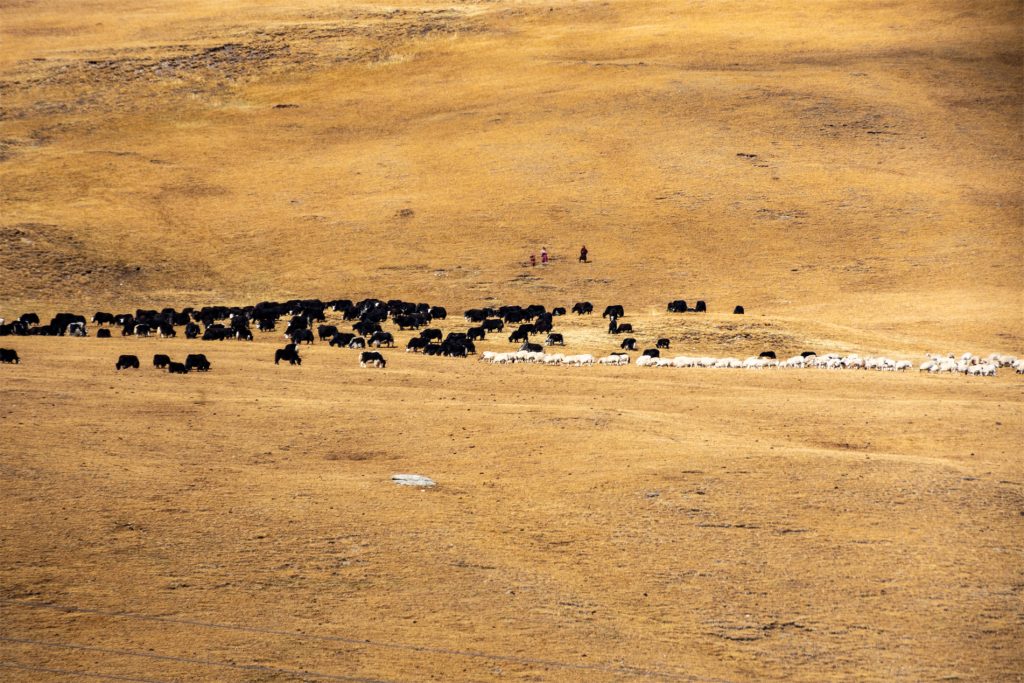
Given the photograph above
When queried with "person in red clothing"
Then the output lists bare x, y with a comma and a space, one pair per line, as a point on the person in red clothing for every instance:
544, 256
583, 254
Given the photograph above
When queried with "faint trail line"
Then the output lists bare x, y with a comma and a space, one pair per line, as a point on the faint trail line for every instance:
608, 668
200, 662
68, 672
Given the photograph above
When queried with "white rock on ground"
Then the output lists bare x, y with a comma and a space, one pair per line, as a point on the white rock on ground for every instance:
413, 480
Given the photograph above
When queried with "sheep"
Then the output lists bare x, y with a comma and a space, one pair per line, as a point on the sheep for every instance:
982, 370
1001, 360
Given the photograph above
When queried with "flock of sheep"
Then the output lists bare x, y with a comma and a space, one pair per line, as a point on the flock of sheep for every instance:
967, 364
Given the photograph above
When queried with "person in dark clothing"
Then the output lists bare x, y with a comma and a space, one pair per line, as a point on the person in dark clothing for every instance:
583, 254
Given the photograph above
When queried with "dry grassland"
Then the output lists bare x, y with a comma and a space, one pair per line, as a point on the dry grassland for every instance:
849, 171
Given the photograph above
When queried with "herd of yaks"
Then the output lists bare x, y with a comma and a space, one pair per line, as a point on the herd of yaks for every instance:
370, 314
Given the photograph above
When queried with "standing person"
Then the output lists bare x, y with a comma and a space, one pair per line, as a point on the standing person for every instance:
544, 256
533, 260
583, 254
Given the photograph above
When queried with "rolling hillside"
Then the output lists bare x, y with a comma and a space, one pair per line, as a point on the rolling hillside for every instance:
849, 171
856, 164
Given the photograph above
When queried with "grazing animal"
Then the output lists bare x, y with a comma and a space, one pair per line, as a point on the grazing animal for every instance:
216, 332
518, 336
651, 353
438, 313
767, 354
583, 308
454, 347
192, 331
805, 354
29, 319
142, 330
628, 344
341, 339
531, 348
543, 324
103, 333
101, 318
476, 333
416, 344
382, 339
701, 307
614, 328
288, 353
558, 310
126, 361
738, 310
302, 336
614, 311
493, 325
177, 368
161, 360
403, 322
326, 331
554, 338
165, 330
197, 361
371, 359
357, 343
9, 356
662, 343
366, 327
431, 334
677, 306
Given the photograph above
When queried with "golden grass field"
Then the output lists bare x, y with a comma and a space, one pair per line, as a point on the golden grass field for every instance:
850, 172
